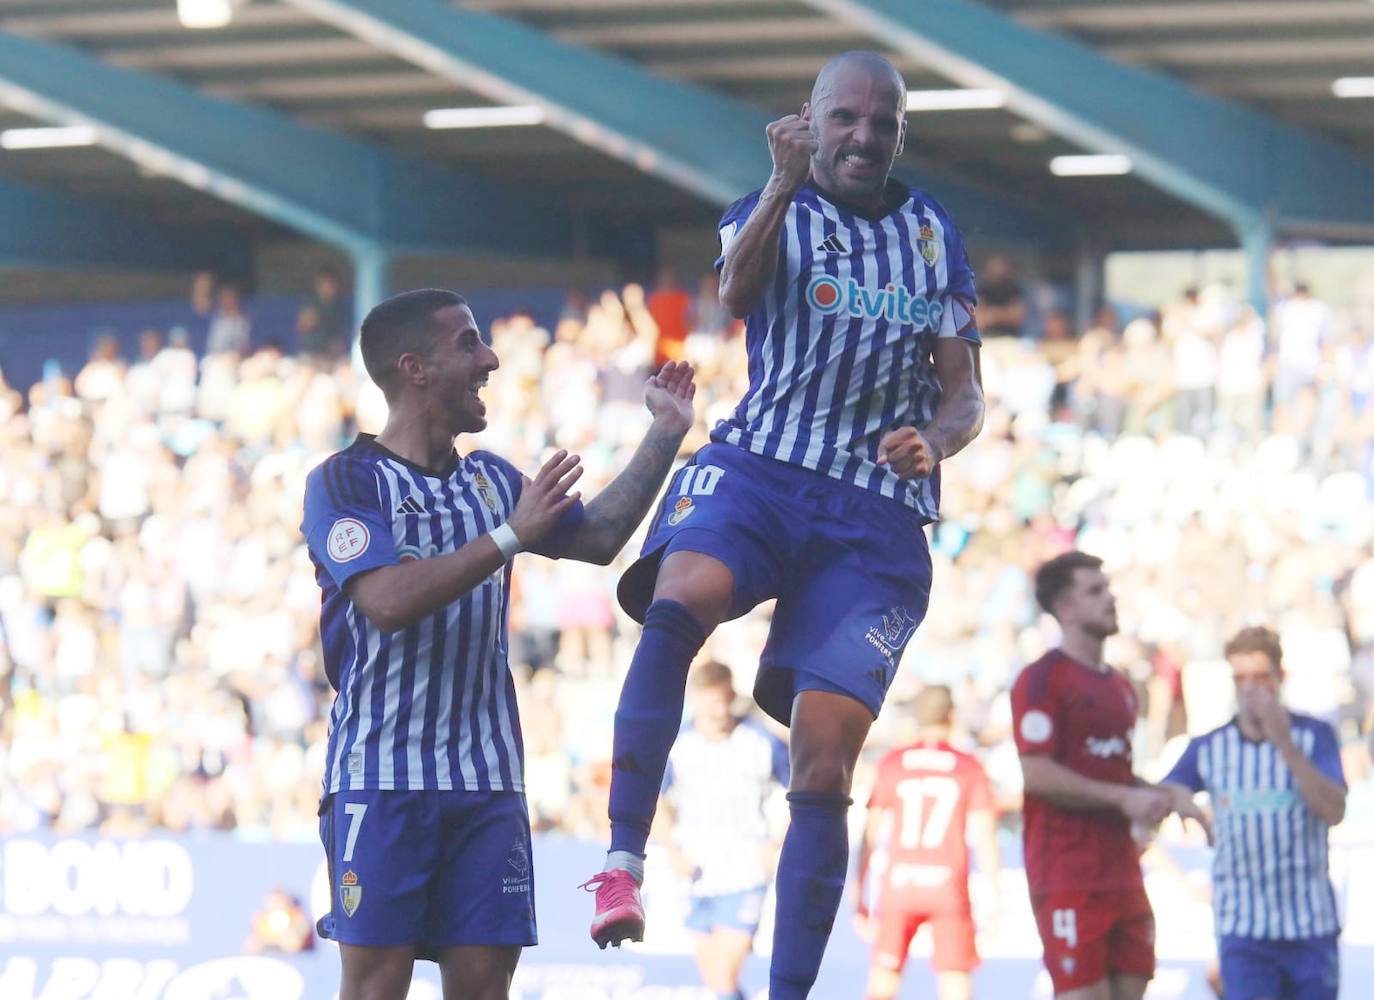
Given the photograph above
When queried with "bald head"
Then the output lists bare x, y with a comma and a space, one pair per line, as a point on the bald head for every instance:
864, 61
857, 112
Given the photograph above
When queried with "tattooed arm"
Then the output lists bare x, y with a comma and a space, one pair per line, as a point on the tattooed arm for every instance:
958, 418
612, 516
959, 414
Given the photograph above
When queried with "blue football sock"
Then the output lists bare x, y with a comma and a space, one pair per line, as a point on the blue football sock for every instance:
648, 718
810, 883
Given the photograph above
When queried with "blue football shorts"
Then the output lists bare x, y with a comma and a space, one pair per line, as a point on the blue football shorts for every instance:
850, 569
1253, 969
736, 911
433, 868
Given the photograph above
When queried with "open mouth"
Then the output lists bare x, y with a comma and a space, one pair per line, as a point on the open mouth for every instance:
478, 384
860, 163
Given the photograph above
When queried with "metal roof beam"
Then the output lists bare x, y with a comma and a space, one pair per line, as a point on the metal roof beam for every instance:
328, 186
42, 228
698, 140
1222, 157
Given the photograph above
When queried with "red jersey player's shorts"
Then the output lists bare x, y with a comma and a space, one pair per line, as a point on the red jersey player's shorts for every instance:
954, 949
1089, 936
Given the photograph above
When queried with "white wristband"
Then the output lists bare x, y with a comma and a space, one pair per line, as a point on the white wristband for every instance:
506, 540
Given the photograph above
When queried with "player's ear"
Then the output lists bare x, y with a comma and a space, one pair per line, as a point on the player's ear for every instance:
901, 138
805, 111
412, 368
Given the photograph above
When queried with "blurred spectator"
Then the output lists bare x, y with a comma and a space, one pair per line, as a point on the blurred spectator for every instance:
281, 927
229, 327
1240, 374
1195, 364
1001, 300
670, 307
324, 320
1302, 326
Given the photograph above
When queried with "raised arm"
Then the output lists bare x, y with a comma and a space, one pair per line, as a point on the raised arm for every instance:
612, 516
1323, 795
751, 258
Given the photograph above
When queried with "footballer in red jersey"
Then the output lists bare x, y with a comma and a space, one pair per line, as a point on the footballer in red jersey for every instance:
927, 799
1074, 717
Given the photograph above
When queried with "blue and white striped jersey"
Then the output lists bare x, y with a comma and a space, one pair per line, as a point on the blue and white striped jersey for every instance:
718, 790
840, 346
431, 706
1269, 875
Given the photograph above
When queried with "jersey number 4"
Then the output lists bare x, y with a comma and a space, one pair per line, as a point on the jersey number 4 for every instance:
927, 807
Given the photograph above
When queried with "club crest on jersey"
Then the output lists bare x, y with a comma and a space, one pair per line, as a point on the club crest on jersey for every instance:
681, 510
828, 296
485, 491
928, 245
350, 893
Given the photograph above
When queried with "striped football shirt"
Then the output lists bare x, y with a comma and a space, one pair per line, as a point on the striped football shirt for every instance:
432, 705
1269, 874
718, 790
840, 346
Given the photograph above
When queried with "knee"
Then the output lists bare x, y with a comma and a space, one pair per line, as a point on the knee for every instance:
701, 584
830, 774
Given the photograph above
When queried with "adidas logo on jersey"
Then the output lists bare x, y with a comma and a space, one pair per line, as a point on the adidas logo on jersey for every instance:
410, 506
832, 244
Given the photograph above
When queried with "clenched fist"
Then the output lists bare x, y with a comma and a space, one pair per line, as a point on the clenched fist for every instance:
792, 143
907, 453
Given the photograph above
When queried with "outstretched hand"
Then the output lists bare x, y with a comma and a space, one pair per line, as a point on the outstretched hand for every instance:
1188, 809
668, 395
545, 499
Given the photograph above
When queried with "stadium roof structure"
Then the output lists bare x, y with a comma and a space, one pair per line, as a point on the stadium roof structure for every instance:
309, 117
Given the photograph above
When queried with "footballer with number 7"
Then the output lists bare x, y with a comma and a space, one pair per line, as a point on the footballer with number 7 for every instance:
423, 815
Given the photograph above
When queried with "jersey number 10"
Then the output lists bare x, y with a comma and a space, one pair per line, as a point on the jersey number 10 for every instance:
700, 480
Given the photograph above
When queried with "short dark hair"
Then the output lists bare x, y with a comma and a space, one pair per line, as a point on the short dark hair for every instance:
934, 705
1056, 576
712, 674
403, 324
1257, 639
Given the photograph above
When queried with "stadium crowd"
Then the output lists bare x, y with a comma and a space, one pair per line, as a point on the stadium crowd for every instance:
159, 658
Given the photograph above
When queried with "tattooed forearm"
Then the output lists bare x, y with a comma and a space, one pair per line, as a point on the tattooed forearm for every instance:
615, 512
959, 414
958, 419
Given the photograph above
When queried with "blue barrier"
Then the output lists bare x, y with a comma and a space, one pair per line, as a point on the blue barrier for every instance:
169, 918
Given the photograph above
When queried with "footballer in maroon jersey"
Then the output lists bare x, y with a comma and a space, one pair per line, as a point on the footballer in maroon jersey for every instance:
1074, 718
